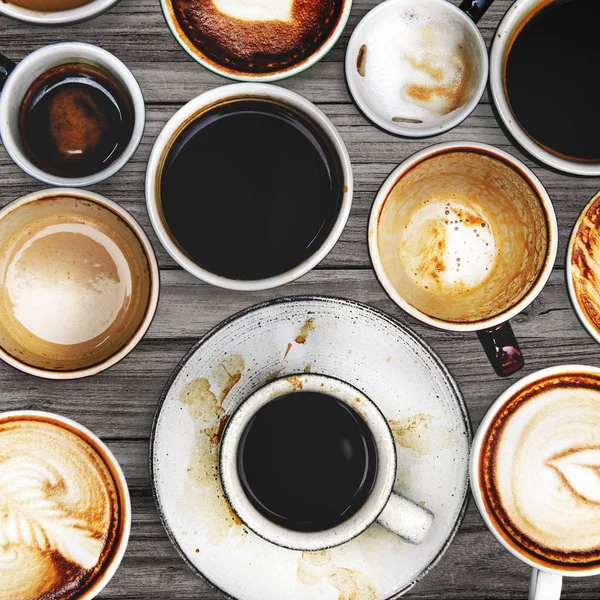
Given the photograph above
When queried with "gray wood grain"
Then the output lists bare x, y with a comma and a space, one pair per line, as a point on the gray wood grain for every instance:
119, 404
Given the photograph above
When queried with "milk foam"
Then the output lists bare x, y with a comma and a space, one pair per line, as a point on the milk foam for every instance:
416, 64
447, 247
57, 500
548, 470
256, 10
67, 282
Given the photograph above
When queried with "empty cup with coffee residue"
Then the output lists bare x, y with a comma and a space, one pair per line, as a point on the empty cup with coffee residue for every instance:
71, 114
417, 68
78, 283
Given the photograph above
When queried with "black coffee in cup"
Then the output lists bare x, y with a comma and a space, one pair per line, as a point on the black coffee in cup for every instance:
75, 120
551, 78
307, 461
250, 188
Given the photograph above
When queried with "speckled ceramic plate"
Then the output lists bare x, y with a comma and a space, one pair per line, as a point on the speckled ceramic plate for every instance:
334, 337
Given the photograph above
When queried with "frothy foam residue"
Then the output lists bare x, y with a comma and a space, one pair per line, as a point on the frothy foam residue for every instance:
414, 65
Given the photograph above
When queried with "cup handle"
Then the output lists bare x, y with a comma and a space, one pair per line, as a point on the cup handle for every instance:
475, 8
6, 67
406, 519
502, 349
544, 585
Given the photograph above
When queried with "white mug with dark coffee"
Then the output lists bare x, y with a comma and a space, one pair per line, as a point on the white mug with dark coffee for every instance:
534, 474
543, 81
249, 186
308, 462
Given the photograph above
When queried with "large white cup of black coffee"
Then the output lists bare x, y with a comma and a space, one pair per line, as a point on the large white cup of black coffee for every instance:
65, 511
543, 62
535, 474
249, 186
308, 462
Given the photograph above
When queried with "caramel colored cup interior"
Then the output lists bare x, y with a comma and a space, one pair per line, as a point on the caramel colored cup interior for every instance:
463, 236
75, 283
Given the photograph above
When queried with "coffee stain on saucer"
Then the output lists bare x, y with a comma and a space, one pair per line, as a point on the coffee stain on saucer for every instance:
287, 351
203, 494
412, 432
316, 568
308, 326
295, 382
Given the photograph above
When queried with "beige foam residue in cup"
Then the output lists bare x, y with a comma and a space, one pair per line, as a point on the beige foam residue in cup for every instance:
414, 65
462, 236
74, 283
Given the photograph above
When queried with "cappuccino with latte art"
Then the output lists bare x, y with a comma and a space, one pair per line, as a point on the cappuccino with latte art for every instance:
539, 471
64, 510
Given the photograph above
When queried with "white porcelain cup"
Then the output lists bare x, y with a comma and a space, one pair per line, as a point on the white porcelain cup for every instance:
476, 54
57, 17
35, 64
514, 20
186, 115
547, 576
405, 518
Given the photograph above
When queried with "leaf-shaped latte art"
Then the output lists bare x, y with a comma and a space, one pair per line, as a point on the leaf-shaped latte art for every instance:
580, 469
31, 516
256, 10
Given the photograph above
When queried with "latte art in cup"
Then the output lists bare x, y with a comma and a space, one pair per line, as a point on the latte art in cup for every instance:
539, 471
62, 512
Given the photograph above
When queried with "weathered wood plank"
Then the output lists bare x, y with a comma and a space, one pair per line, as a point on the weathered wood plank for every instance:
374, 155
120, 403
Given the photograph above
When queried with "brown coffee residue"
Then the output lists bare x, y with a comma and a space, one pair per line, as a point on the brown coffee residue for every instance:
361, 60
295, 382
452, 93
308, 326
316, 568
204, 501
411, 432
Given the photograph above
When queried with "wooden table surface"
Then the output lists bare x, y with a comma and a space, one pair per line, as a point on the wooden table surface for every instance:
119, 404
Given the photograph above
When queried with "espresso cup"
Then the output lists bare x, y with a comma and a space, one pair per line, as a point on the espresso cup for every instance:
522, 13
19, 81
55, 12
78, 281
534, 474
417, 68
405, 518
65, 509
463, 237
249, 186
250, 41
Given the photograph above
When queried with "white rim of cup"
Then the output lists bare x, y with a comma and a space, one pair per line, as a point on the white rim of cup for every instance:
379, 203
153, 273
476, 453
366, 514
63, 53
116, 471
256, 90
512, 19
581, 315
60, 17
308, 62
396, 128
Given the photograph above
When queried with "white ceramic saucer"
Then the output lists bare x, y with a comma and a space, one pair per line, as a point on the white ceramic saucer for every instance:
334, 337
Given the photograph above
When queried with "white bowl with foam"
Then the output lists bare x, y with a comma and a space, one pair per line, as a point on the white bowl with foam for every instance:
439, 75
